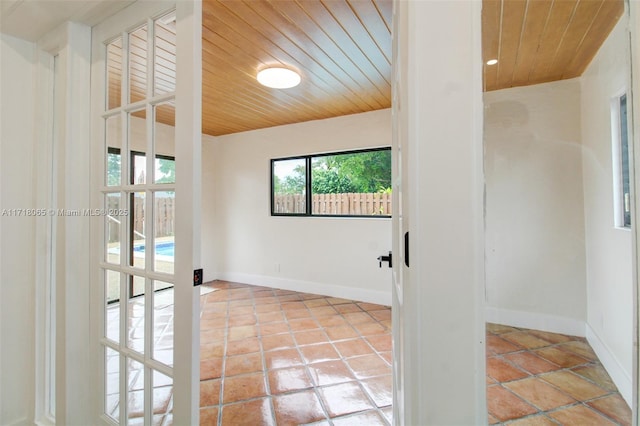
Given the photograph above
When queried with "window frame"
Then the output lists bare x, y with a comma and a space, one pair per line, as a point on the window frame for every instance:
308, 183
622, 216
307, 180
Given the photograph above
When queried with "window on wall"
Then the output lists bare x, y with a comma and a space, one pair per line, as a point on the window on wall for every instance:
621, 160
353, 183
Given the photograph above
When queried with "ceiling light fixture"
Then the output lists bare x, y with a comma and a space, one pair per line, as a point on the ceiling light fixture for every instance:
278, 78
492, 61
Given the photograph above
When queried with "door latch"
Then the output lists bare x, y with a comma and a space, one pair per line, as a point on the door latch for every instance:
385, 259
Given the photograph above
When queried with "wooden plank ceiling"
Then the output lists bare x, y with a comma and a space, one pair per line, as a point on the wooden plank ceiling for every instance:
537, 41
342, 49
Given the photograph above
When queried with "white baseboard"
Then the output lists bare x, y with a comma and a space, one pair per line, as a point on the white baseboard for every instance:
209, 275
351, 293
610, 363
19, 422
536, 321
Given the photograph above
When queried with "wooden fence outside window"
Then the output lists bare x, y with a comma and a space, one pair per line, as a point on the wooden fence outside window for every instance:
346, 204
164, 217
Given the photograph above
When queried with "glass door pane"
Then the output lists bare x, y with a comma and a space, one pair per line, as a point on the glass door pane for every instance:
164, 78
137, 230
164, 231
114, 73
162, 402
113, 139
138, 64
163, 322
112, 384
113, 222
135, 392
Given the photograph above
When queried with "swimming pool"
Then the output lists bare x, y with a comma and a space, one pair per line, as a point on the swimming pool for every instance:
166, 248
162, 249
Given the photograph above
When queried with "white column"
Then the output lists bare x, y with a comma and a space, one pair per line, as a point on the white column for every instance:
17, 189
188, 206
71, 175
444, 358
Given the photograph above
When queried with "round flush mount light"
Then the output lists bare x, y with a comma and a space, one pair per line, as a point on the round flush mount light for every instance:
278, 78
492, 61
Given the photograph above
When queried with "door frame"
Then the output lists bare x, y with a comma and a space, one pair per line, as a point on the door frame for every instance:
634, 33
62, 330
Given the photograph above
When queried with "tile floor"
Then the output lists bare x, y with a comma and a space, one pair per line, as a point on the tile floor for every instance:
275, 357
280, 357
539, 378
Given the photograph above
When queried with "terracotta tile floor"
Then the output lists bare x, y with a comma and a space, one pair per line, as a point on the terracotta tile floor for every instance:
539, 378
272, 357
276, 357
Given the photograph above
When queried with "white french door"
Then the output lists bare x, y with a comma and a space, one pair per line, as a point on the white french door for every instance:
397, 222
145, 308
399, 219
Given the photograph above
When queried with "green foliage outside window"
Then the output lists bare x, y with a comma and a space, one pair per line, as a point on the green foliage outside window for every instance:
362, 172
113, 169
360, 180
293, 183
167, 169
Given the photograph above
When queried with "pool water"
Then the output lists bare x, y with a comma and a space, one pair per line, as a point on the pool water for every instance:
162, 249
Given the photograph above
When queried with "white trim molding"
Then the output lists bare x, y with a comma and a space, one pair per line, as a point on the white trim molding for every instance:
325, 289
62, 129
536, 321
610, 363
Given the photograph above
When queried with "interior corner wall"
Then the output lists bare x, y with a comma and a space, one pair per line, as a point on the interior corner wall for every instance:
331, 256
535, 254
17, 245
608, 249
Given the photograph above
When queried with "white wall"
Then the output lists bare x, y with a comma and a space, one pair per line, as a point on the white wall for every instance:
535, 255
211, 245
334, 256
17, 290
608, 250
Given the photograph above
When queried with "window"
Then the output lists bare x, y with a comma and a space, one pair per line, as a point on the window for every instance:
353, 183
165, 167
621, 159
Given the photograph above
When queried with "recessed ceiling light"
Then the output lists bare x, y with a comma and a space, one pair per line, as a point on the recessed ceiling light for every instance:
492, 61
278, 78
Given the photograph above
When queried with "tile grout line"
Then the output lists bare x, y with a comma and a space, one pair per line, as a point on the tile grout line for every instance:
569, 369
298, 348
224, 361
356, 379
265, 370
308, 371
